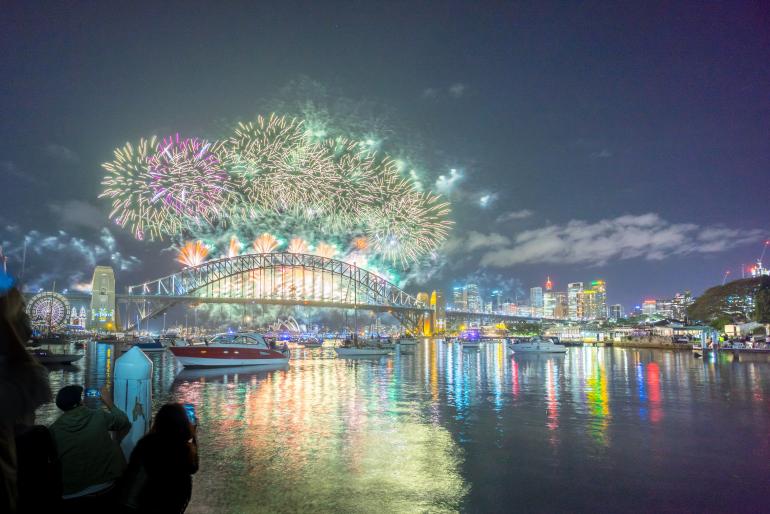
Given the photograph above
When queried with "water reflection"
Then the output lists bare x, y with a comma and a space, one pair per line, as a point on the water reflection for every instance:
440, 428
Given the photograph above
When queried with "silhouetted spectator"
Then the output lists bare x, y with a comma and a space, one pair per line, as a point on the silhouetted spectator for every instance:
159, 473
38, 470
91, 460
23, 385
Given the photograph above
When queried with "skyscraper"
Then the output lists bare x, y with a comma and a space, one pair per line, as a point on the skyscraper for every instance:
649, 307
590, 308
458, 299
549, 299
600, 286
575, 300
616, 311
473, 298
536, 301
497, 300
680, 303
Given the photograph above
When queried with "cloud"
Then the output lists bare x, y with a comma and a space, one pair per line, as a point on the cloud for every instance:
429, 92
457, 90
77, 213
514, 215
446, 183
602, 154
487, 199
9, 171
61, 257
61, 153
646, 236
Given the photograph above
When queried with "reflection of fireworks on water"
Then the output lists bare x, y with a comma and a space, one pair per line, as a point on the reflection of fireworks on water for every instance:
278, 175
265, 243
193, 253
48, 309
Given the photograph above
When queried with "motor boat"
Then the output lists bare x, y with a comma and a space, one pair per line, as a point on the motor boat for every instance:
469, 343
407, 341
231, 349
149, 345
366, 351
536, 345
49, 357
311, 342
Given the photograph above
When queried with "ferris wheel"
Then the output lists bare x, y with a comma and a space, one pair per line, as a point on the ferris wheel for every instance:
49, 310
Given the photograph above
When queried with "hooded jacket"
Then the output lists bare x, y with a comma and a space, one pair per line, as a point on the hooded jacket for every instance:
88, 454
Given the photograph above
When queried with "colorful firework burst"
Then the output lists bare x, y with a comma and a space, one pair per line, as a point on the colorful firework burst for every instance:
265, 243
193, 253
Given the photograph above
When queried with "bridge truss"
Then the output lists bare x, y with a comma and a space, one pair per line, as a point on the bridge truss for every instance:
280, 278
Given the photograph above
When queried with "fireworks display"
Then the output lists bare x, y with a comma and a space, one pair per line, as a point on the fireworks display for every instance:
274, 176
193, 253
265, 243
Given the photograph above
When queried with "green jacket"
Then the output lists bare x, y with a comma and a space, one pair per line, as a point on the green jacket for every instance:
88, 454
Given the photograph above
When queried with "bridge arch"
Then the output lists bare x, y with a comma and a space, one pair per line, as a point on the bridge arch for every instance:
280, 278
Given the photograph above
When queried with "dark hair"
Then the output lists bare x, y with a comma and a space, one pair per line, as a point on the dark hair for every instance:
171, 421
14, 327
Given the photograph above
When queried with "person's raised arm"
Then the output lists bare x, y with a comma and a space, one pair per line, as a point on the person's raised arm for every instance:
116, 418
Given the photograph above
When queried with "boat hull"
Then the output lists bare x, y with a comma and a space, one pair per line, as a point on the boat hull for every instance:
543, 349
212, 356
355, 352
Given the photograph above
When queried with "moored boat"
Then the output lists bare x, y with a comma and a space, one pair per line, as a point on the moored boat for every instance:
407, 341
148, 344
351, 351
536, 345
238, 349
49, 357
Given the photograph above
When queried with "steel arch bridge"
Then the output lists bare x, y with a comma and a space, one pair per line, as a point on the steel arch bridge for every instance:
279, 278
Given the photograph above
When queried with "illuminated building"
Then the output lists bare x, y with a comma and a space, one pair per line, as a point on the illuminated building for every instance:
616, 311
438, 304
680, 303
561, 305
472, 297
536, 300
103, 299
549, 300
426, 321
497, 300
575, 300
665, 309
649, 307
600, 286
458, 299
590, 307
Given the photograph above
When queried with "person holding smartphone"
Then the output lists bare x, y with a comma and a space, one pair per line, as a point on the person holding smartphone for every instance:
91, 460
159, 473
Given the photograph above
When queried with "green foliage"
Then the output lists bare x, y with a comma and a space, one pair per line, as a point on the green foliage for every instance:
762, 302
719, 322
719, 303
523, 328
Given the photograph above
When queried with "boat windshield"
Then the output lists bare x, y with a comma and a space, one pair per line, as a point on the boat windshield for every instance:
239, 339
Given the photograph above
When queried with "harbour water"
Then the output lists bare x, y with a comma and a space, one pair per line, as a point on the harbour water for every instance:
442, 429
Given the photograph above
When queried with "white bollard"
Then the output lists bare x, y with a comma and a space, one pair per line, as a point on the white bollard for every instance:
133, 394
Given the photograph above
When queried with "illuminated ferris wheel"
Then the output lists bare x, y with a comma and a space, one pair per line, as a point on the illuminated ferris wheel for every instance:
48, 310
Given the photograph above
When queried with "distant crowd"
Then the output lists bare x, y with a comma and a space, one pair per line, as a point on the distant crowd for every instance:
76, 465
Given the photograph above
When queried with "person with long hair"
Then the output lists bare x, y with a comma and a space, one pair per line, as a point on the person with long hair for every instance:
159, 473
23, 385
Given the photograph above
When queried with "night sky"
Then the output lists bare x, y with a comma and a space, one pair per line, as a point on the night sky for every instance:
624, 141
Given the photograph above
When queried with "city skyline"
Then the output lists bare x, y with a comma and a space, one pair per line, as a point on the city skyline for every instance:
622, 178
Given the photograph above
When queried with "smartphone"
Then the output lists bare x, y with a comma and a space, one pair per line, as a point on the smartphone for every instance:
190, 409
93, 392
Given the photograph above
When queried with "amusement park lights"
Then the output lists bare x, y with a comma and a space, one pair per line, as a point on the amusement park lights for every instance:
276, 176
